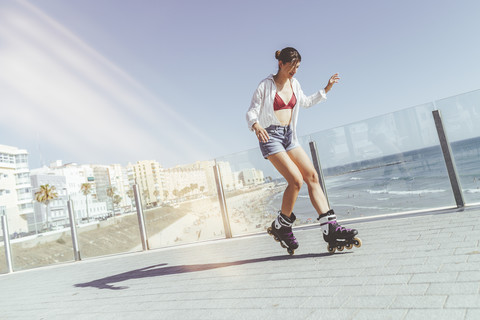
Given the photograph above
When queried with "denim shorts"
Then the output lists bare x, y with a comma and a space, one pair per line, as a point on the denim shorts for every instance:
281, 139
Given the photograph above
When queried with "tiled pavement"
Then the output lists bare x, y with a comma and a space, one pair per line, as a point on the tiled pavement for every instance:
414, 267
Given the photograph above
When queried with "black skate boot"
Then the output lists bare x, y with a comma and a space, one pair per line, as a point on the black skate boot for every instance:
337, 236
281, 230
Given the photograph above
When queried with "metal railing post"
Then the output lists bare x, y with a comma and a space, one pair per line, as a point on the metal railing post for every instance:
73, 231
6, 241
223, 203
449, 160
141, 218
318, 167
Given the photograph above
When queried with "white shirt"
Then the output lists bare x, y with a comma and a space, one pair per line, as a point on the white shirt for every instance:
261, 108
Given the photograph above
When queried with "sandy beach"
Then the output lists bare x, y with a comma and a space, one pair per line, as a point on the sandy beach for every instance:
248, 211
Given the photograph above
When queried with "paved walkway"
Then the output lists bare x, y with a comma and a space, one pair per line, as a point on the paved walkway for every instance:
416, 267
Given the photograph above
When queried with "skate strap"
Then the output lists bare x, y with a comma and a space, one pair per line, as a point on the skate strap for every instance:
329, 213
330, 218
282, 220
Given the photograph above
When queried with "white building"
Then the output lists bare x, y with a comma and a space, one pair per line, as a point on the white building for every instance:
251, 176
119, 180
148, 176
56, 215
228, 177
67, 180
15, 188
190, 180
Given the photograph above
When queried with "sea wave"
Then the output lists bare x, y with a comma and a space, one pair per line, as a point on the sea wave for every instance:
471, 190
405, 192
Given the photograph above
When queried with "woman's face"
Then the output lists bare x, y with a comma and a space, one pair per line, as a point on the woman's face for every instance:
289, 68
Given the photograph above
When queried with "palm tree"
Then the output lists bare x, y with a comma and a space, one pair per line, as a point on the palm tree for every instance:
44, 195
131, 196
145, 194
156, 194
111, 193
86, 189
116, 201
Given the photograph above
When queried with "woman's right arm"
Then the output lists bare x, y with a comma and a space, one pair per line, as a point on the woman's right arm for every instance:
254, 112
255, 106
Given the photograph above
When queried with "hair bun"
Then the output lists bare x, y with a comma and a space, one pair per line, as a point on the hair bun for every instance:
277, 54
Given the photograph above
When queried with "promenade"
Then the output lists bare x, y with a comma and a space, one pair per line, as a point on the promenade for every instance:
413, 267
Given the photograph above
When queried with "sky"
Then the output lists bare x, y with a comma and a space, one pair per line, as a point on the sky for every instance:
111, 81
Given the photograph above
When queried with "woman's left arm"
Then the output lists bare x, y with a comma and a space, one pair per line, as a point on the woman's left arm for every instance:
319, 96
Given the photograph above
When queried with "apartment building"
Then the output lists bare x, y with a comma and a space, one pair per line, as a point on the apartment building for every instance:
15, 188
187, 181
119, 180
251, 176
148, 176
67, 179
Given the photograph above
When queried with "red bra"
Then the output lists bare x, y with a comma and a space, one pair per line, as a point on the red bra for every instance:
278, 103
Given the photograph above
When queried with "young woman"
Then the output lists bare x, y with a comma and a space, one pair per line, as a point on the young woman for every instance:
273, 117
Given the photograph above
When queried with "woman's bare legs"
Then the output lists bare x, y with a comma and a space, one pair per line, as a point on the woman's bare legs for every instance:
310, 176
289, 170
296, 166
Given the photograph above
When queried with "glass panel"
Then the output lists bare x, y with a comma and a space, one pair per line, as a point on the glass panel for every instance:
49, 246
110, 233
187, 209
253, 189
461, 116
387, 164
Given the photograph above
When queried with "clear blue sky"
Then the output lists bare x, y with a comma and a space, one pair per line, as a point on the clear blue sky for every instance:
113, 81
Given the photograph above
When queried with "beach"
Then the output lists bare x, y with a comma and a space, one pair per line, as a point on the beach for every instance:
248, 210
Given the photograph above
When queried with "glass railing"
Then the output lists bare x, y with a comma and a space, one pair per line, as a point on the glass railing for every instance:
190, 212
51, 248
117, 234
461, 118
251, 187
383, 165
195, 219
387, 164
50, 243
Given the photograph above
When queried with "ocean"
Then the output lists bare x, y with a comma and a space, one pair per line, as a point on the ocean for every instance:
408, 181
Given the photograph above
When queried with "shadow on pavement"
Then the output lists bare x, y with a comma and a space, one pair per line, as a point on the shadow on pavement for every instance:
161, 270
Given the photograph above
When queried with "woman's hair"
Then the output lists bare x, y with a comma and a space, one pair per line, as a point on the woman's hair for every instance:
288, 54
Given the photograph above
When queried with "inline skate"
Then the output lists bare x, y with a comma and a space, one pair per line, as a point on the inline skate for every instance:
337, 236
281, 230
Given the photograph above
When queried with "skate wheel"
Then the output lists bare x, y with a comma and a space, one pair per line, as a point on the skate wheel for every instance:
330, 249
290, 251
349, 246
276, 238
269, 230
357, 242
340, 248
283, 246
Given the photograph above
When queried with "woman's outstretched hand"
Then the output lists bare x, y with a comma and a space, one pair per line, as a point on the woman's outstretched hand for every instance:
333, 79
